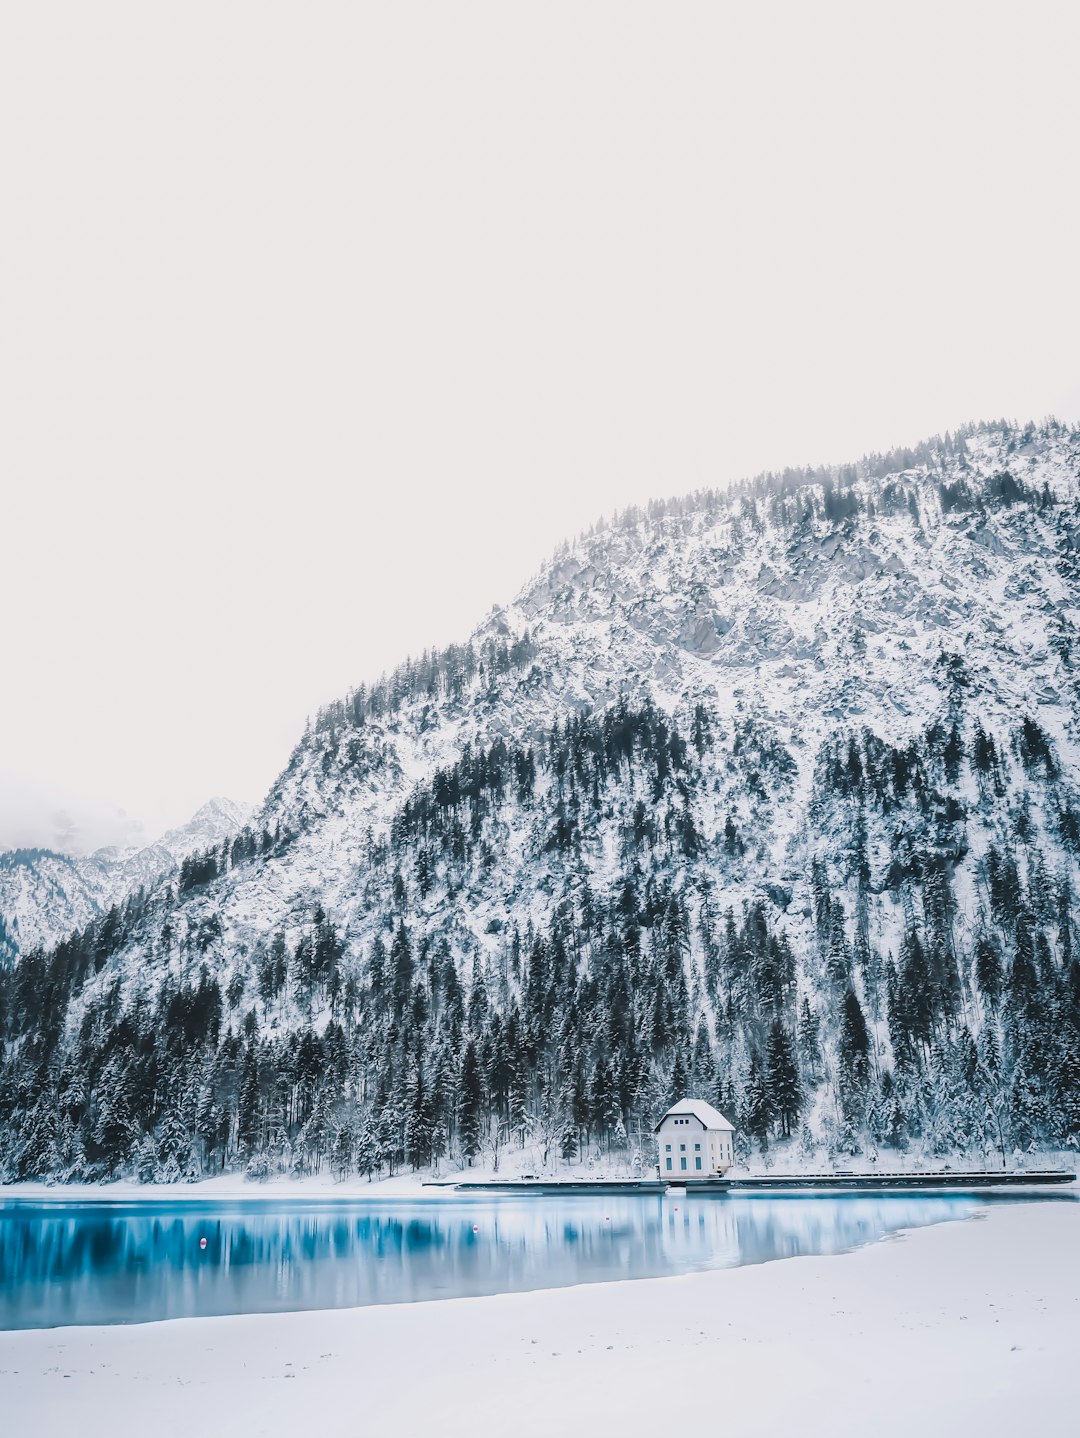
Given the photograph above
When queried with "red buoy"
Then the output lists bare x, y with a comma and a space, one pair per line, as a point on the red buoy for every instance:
202, 1242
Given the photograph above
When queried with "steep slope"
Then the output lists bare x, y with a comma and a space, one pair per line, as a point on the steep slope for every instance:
45, 896
772, 794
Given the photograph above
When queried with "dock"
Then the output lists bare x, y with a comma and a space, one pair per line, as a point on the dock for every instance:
767, 1183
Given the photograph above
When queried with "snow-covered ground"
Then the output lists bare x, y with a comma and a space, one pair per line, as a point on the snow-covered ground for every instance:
952, 1329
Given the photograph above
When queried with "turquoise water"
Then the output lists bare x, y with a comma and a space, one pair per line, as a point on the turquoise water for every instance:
141, 1260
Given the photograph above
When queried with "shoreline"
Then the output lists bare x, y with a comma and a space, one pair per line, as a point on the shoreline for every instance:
958, 1324
233, 1188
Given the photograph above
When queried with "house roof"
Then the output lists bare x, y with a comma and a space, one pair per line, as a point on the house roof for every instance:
705, 1114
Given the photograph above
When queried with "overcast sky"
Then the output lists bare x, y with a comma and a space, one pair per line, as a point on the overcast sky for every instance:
323, 323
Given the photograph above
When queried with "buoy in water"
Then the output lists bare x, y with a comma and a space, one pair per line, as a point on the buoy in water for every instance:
202, 1242
476, 1228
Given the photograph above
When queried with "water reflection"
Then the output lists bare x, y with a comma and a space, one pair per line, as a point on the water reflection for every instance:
132, 1262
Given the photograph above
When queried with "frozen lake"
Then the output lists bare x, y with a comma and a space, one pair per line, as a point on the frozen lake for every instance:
133, 1261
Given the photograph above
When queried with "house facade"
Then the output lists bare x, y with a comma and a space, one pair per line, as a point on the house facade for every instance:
695, 1141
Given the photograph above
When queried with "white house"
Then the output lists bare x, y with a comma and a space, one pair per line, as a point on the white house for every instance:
695, 1140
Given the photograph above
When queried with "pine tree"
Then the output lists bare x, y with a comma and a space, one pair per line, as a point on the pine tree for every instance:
401, 966
782, 1078
470, 1104
988, 969
760, 1110
568, 1142
115, 1129
854, 1053
342, 1148
418, 1119
809, 1040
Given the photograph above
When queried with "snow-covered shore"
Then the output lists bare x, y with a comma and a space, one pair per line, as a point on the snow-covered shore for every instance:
412, 1183
950, 1329
229, 1186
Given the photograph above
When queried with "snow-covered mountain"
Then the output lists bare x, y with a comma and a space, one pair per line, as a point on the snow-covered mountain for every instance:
787, 624
45, 896
771, 794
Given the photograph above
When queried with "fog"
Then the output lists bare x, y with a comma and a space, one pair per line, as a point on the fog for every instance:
323, 324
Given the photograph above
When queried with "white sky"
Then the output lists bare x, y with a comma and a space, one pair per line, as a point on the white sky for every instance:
323, 323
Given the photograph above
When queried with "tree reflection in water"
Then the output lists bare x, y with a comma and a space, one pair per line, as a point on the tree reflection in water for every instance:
136, 1261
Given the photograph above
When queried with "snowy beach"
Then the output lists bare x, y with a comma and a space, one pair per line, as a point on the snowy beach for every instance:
947, 1329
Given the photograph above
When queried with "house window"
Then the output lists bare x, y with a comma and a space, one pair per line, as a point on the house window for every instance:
682, 1162
697, 1162
667, 1147
697, 1147
682, 1147
669, 1160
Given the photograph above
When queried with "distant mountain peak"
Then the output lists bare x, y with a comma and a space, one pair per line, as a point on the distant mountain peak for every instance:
46, 895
